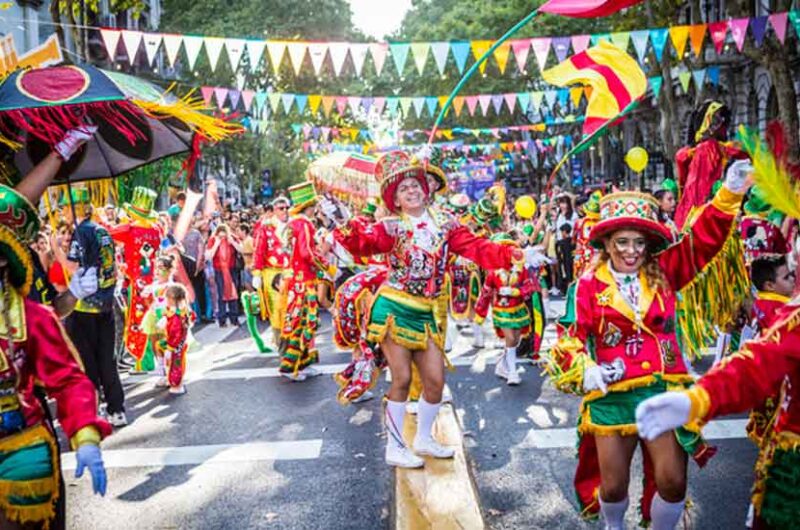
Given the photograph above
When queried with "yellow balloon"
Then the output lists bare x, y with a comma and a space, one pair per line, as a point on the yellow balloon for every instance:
525, 207
637, 159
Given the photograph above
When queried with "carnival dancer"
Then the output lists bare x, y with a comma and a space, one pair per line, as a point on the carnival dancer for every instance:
36, 353
765, 367
626, 306
163, 277
667, 196
506, 291
168, 323
585, 252
140, 237
403, 318
300, 325
271, 258
761, 228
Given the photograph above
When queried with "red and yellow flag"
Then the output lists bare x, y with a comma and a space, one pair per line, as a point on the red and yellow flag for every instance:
585, 8
614, 76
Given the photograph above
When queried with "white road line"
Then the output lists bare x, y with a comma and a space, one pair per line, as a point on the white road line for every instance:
567, 438
255, 373
202, 454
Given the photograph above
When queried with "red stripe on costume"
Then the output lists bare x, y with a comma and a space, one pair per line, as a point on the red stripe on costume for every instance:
617, 88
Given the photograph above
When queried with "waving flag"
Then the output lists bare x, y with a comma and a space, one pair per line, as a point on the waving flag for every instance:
615, 77
585, 8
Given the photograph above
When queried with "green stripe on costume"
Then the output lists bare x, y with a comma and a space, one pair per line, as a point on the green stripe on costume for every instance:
516, 318
408, 326
781, 505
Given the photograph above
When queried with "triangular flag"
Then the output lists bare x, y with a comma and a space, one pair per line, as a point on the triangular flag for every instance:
778, 21
358, 52
338, 52
255, 50
640, 39
472, 102
420, 52
658, 37
699, 76
550, 97
221, 94
213, 50
379, 103
485, 100
440, 51
378, 50
684, 78
207, 92
432, 103
297, 52
759, 28
679, 36
314, 101
718, 32
536, 99
274, 101
399, 54
317, 51
458, 104
276, 49
480, 47
354, 102
598, 37
111, 41
501, 54
152, 41
288, 102
697, 34
575, 96
739, 31
192, 45
511, 101
366, 104
341, 105
405, 106
233, 97
655, 84
131, 40
580, 43
460, 51
621, 39
524, 101
561, 47
713, 75
541, 49
794, 16
497, 103
327, 105
521, 48
172, 45
235, 49
301, 100
391, 105
419, 105
247, 98
261, 100
442, 101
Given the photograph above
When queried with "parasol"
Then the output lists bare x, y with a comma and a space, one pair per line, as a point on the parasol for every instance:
137, 123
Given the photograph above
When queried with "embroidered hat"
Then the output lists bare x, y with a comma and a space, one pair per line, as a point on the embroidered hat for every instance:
302, 195
490, 208
633, 211
392, 169
504, 239
141, 206
19, 224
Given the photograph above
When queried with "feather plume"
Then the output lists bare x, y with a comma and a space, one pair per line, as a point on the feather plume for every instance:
773, 175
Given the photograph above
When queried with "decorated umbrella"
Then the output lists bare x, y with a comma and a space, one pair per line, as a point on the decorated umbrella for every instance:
137, 123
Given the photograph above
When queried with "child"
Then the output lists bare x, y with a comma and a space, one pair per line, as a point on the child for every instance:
173, 319
774, 281
564, 249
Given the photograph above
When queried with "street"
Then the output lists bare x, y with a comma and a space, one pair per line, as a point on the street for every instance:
245, 448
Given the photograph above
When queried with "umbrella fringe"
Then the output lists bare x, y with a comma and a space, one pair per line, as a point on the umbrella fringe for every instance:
189, 111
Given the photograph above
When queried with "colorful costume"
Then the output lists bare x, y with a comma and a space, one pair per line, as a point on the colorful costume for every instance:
584, 251
270, 260
760, 228
632, 324
35, 352
168, 329
140, 238
465, 287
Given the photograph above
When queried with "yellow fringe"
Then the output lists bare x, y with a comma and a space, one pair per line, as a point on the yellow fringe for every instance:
377, 333
570, 380
189, 111
587, 427
43, 513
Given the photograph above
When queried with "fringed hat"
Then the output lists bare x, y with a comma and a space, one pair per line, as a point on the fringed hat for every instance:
19, 224
592, 205
302, 196
490, 208
141, 206
630, 210
395, 167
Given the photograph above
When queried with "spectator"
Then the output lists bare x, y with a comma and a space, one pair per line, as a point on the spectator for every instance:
564, 250
221, 252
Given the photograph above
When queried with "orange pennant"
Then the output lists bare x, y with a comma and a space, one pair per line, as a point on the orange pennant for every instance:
458, 104
327, 105
697, 35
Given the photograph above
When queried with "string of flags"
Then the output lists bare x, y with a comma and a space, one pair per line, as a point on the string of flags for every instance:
540, 144
351, 57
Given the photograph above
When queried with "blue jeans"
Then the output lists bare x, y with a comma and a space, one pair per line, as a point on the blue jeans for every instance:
226, 309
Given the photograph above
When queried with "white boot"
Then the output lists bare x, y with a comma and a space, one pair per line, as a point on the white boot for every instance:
511, 366
477, 335
500, 369
424, 444
666, 515
397, 452
613, 514
450, 333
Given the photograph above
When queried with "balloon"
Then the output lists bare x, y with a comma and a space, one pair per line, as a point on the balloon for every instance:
525, 207
637, 159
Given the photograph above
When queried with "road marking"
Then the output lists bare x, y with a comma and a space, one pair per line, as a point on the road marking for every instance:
255, 373
568, 438
202, 454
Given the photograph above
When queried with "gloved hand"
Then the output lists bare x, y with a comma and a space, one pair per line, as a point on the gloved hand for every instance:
535, 257
593, 379
662, 413
613, 372
257, 280
162, 323
88, 455
83, 283
737, 176
73, 140
506, 291
327, 207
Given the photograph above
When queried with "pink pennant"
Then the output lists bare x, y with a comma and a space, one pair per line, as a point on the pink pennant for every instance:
541, 49
378, 104
779, 23
521, 48
739, 31
207, 93
511, 101
354, 102
580, 42
247, 97
718, 32
379, 50
341, 105
472, 102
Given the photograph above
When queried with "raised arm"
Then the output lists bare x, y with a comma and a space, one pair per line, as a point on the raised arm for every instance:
360, 238
486, 254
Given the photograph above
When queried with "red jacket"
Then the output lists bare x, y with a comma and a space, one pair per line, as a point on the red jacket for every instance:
766, 307
304, 260
522, 283
269, 248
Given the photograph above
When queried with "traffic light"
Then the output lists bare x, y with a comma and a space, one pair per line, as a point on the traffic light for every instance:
266, 183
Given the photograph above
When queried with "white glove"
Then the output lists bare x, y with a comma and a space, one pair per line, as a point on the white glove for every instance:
736, 177
662, 413
73, 140
505, 291
83, 283
327, 207
593, 379
162, 323
535, 257
257, 280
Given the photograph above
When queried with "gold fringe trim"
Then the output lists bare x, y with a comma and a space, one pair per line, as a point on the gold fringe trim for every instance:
587, 427
571, 379
189, 110
377, 333
788, 441
675, 381
42, 513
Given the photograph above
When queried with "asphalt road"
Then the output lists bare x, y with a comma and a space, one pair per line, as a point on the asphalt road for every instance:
246, 449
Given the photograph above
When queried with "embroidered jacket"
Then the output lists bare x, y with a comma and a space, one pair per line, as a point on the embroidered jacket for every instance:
766, 307
270, 248
521, 283
644, 342
304, 260
415, 270
584, 252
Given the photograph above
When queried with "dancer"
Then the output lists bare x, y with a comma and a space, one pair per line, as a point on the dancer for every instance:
403, 318
168, 323
507, 290
626, 307
270, 260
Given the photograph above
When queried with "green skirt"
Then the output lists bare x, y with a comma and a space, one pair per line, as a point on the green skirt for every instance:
408, 321
512, 318
780, 506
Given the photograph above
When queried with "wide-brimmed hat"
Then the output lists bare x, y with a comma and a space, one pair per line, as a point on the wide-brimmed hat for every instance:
459, 203
630, 210
141, 206
392, 169
302, 196
19, 224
